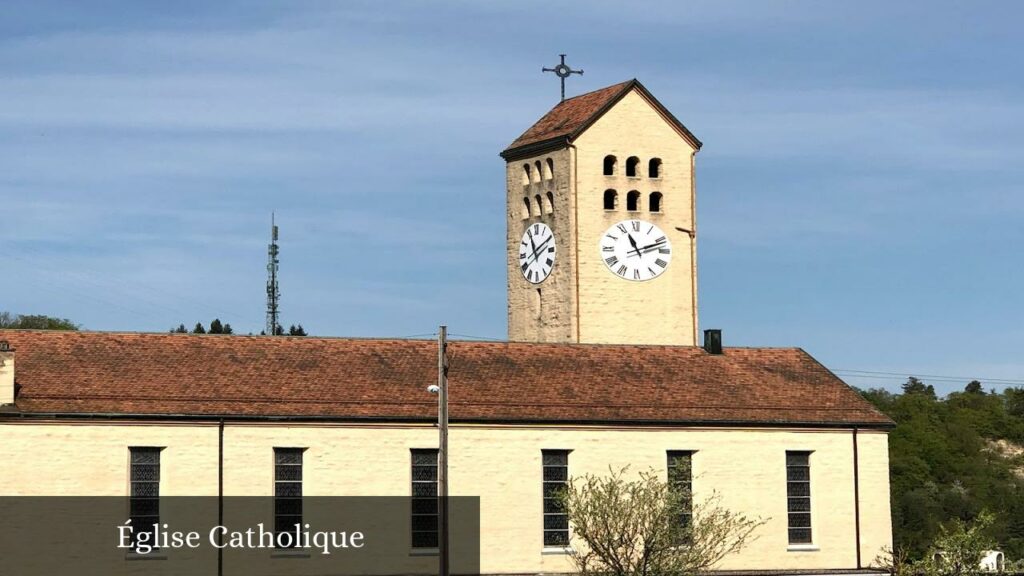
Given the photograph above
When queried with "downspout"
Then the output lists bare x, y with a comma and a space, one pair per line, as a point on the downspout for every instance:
220, 496
856, 494
576, 234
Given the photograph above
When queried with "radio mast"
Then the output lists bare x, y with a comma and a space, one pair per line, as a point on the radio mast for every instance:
273, 291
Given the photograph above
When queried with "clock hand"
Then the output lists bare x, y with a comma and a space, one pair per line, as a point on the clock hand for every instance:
538, 249
648, 248
633, 242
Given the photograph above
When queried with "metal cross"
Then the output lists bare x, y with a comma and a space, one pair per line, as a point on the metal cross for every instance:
562, 71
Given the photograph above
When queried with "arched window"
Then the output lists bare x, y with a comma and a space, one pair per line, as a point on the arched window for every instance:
551, 203
654, 168
609, 165
526, 207
550, 173
526, 174
633, 201
631, 166
540, 206
540, 171
611, 199
655, 203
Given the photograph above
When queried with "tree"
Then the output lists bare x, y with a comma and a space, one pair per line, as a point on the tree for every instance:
915, 386
974, 387
227, 329
296, 330
35, 322
216, 327
636, 528
199, 329
179, 330
1014, 401
960, 547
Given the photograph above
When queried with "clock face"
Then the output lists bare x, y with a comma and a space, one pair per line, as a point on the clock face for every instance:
537, 253
636, 250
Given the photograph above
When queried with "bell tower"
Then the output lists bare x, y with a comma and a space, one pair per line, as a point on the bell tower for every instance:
601, 223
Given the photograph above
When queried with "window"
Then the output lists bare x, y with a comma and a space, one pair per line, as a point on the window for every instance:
526, 207
654, 168
526, 174
556, 479
631, 166
633, 201
680, 478
550, 208
287, 492
540, 171
424, 498
798, 490
611, 199
609, 165
550, 173
144, 497
655, 202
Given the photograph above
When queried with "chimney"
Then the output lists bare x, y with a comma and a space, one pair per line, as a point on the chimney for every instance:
6, 373
713, 341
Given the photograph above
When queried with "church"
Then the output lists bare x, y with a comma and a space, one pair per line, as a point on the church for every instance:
603, 368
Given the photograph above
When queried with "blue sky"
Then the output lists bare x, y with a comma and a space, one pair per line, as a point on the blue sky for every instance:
859, 191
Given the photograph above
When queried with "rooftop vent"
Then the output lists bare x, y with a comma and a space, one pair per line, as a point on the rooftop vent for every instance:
713, 341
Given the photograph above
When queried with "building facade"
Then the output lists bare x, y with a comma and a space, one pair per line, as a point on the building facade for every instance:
601, 372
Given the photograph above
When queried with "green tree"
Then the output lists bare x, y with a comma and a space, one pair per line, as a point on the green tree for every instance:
960, 547
216, 327
1014, 401
296, 330
634, 527
179, 330
199, 329
35, 322
974, 387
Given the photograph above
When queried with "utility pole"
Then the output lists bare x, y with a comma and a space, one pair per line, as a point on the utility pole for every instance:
442, 452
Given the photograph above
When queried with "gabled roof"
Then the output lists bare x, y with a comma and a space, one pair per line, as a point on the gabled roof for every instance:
176, 375
566, 121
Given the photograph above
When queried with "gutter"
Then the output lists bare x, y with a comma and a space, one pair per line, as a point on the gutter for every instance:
217, 418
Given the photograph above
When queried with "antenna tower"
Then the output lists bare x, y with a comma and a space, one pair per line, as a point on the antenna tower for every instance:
273, 291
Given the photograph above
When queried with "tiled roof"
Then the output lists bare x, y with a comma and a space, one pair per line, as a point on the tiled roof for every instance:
570, 117
177, 374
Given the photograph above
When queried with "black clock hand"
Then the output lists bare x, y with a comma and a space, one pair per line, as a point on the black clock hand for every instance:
633, 242
538, 249
649, 248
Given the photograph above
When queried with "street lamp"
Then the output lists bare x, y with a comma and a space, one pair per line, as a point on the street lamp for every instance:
441, 389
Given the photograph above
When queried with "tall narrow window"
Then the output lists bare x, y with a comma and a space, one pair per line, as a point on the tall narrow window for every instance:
540, 171
287, 492
424, 498
550, 207
633, 201
539, 205
609, 165
632, 163
144, 498
655, 204
680, 479
550, 172
526, 174
556, 479
611, 199
654, 168
526, 207
798, 489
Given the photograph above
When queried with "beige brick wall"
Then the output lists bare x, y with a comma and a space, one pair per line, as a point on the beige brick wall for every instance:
609, 309
501, 465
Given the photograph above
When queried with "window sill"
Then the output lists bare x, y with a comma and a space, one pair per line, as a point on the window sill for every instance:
803, 548
424, 552
289, 554
557, 550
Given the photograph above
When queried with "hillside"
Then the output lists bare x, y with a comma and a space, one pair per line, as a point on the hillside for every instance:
953, 457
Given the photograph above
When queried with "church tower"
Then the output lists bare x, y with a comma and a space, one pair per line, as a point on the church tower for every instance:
601, 223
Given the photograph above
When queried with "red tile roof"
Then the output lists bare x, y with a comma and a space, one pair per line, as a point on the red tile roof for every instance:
570, 117
177, 374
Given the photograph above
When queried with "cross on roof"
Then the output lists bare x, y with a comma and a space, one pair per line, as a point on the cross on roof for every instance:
562, 71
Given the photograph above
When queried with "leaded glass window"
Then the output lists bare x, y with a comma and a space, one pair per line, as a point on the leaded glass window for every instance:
798, 491
287, 491
556, 479
144, 496
680, 479
424, 498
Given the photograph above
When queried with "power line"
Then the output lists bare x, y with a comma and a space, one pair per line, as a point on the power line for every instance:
934, 377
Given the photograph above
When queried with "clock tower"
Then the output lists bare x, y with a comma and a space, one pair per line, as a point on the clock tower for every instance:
601, 223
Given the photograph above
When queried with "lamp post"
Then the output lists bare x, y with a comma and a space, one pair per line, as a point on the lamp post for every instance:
441, 389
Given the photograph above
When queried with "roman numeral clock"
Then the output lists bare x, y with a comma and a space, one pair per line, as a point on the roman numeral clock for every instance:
636, 250
537, 253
